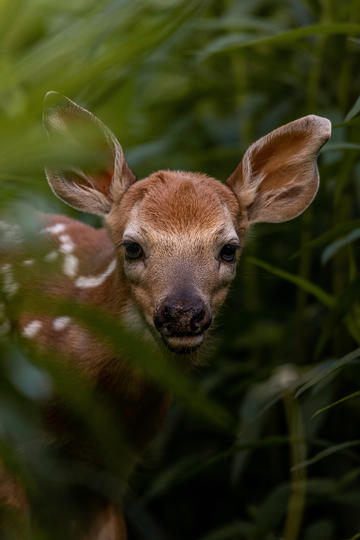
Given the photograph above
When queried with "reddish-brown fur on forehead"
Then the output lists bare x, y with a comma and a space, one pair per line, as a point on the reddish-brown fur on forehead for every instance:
179, 201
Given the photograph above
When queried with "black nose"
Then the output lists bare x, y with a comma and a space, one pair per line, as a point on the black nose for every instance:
182, 316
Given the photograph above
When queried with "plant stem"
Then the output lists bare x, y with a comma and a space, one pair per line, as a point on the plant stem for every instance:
296, 504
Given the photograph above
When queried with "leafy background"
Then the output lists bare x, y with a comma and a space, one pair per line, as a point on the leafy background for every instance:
262, 442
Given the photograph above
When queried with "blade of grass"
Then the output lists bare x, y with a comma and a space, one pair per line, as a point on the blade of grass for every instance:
323, 409
325, 369
326, 453
234, 42
308, 286
334, 232
354, 111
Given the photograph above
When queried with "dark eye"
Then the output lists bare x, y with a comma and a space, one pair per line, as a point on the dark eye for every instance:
133, 250
228, 253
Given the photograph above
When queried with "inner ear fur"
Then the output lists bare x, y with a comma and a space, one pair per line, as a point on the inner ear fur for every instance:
278, 177
95, 187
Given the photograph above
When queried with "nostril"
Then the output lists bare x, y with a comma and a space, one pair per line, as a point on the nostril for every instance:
200, 321
163, 316
166, 312
158, 321
199, 315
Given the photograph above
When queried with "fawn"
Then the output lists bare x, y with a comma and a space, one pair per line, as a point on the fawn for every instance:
162, 263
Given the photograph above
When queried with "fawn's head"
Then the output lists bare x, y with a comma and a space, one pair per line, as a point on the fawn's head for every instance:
178, 235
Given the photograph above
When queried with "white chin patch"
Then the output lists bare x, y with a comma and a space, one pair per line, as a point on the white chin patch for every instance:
184, 342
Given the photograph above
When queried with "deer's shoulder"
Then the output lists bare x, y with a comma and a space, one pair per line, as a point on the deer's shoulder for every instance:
84, 237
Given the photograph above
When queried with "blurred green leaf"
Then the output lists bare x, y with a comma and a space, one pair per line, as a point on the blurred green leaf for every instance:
246, 21
333, 248
325, 369
238, 529
304, 284
337, 402
139, 352
326, 453
334, 232
333, 147
271, 511
173, 476
239, 41
354, 111
321, 529
351, 498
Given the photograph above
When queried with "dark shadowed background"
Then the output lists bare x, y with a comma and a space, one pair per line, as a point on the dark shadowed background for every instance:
272, 450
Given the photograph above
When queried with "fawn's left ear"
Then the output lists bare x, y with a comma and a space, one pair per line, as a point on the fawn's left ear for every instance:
96, 187
278, 177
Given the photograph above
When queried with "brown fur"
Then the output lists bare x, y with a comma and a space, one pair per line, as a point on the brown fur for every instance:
182, 220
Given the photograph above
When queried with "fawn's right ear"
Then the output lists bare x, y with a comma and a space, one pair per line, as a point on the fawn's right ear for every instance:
278, 177
95, 189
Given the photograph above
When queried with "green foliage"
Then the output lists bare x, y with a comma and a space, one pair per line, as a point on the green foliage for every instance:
262, 442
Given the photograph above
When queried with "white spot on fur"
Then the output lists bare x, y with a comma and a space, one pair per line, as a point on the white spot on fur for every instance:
71, 263
51, 256
28, 262
54, 229
32, 329
60, 323
10, 286
67, 245
88, 282
70, 266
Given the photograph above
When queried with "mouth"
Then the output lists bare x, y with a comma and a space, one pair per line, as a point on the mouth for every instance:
183, 344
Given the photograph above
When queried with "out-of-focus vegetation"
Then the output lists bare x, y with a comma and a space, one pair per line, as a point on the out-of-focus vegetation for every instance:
269, 448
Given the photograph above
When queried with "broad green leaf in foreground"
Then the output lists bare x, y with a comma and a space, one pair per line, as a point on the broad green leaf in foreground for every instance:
143, 355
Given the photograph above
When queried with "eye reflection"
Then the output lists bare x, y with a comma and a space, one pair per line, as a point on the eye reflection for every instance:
228, 252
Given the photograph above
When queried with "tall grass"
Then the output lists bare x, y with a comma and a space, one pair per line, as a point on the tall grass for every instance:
269, 446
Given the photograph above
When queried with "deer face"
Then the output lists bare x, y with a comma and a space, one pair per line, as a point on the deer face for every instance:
178, 235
